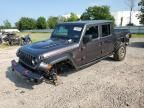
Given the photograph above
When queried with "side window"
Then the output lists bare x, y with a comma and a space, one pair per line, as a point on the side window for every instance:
93, 30
106, 30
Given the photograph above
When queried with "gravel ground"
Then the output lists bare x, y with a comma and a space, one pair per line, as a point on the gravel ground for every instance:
107, 84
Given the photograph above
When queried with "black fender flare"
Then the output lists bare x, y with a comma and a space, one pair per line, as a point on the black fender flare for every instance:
118, 45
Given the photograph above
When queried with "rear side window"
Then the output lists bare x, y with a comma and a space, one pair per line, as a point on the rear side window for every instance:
106, 31
93, 30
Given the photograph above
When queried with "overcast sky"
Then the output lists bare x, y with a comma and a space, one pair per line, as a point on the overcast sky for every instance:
14, 9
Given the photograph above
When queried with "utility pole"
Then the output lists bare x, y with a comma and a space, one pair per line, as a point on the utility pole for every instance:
131, 4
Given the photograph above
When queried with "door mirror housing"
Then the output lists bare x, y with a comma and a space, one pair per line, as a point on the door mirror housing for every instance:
87, 38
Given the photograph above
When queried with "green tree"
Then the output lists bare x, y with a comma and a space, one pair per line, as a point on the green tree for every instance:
26, 23
97, 13
73, 17
52, 22
41, 23
7, 24
2, 27
141, 15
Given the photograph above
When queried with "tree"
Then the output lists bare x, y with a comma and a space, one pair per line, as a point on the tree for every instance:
41, 23
7, 24
131, 4
52, 22
2, 27
26, 23
73, 17
141, 15
97, 13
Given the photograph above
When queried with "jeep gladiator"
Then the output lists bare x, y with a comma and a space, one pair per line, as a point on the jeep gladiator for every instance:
75, 44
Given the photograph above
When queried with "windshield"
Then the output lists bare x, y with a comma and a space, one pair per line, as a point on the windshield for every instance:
68, 31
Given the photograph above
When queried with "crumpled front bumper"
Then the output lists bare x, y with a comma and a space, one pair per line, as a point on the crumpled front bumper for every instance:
20, 70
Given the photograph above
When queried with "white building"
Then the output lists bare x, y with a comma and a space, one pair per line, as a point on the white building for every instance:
68, 15
124, 17
121, 17
9, 30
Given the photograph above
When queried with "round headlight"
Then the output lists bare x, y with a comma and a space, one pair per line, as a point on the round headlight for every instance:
18, 52
33, 62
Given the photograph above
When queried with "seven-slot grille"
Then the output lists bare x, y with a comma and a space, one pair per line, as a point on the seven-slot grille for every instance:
26, 58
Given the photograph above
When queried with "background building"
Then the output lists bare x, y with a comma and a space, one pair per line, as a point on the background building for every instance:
68, 15
9, 30
122, 18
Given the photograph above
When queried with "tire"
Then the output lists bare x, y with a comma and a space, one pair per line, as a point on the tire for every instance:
120, 53
11, 43
0, 41
30, 41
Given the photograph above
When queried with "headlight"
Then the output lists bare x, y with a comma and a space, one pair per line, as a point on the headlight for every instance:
35, 61
18, 52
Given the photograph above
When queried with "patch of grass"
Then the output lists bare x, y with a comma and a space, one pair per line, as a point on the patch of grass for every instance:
137, 35
4, 46
36, 36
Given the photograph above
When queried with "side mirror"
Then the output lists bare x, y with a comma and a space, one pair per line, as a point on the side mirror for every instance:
87, 38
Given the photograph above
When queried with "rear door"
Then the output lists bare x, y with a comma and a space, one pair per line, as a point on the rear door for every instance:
106, 39
92, 49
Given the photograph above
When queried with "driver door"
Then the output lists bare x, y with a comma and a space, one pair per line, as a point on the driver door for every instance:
92, 49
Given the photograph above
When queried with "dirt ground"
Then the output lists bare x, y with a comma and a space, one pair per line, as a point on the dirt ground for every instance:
107, 84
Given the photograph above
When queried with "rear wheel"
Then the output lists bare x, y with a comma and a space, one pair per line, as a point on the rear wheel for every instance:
120, 53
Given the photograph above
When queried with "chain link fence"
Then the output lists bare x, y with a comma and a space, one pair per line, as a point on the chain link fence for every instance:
39, 31
133, 29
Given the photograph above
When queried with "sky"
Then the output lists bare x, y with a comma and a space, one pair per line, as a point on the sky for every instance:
13, 10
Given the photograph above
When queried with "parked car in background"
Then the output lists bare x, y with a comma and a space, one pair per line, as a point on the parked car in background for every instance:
72, 44
11, 39
0, 38
26, 40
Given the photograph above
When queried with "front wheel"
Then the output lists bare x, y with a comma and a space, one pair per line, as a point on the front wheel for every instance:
120, 53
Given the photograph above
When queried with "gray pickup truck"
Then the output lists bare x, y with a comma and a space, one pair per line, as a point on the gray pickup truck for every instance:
72, 44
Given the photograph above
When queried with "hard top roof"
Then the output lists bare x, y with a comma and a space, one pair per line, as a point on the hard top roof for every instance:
89, 22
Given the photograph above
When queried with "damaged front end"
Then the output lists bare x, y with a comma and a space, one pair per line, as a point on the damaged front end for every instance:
44, 72
25, 73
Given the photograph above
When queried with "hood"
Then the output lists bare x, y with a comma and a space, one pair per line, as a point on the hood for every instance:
48, 46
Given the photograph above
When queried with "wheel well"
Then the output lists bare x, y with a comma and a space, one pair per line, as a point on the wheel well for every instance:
118, 44
66, 61
64, 65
